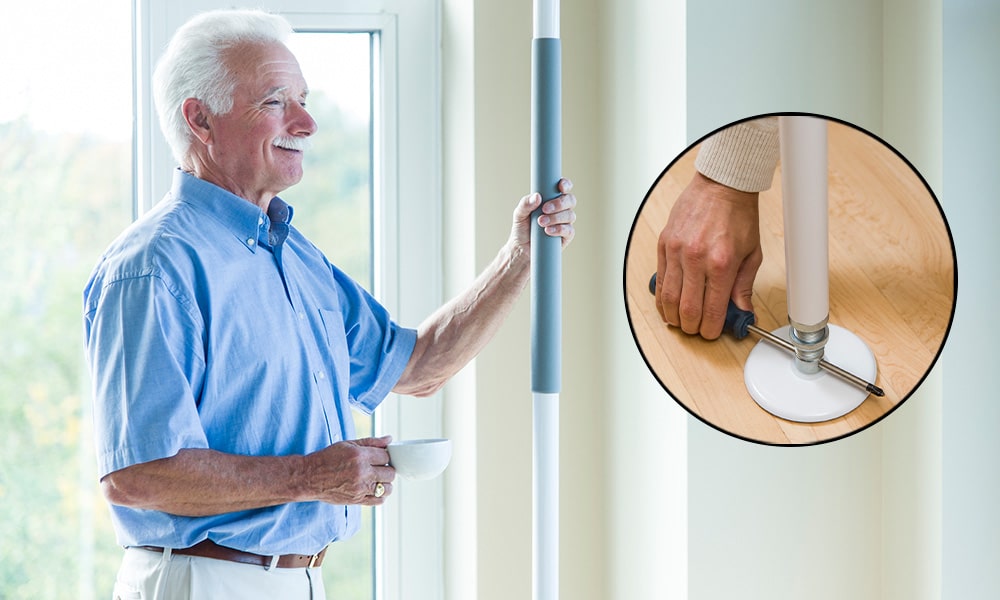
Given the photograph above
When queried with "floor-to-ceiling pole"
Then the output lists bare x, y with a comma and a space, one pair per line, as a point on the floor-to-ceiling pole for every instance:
806, 393
546, 299
804, 189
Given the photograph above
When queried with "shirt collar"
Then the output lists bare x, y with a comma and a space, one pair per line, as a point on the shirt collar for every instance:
243, 218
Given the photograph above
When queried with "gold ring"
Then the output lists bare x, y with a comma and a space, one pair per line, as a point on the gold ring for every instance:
379, 489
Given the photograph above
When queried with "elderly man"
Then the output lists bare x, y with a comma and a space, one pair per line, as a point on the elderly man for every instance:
227, 352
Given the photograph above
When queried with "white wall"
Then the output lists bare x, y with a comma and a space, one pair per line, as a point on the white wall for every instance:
655, 503
779, 523
585, 409
495, 175
971, 525
858, 518
643, 60
461, 553
746, 58
911, 437
782, 523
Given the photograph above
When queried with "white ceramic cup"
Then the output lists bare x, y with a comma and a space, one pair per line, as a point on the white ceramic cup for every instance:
420, 459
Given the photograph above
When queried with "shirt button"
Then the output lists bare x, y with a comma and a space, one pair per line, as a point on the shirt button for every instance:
251, 241
302, 316
321, 375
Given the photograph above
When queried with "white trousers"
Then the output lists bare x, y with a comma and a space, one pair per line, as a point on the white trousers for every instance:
149, 575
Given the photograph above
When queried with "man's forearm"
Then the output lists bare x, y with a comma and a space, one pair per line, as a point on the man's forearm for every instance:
458, 331
200, 482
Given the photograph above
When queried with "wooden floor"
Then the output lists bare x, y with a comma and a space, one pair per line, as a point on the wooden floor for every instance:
891, 283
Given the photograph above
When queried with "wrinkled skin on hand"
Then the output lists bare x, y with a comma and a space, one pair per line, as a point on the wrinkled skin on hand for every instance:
708, 253
347, 472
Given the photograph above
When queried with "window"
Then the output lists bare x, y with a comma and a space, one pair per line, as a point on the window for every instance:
333, 208
73, 173
66, 188
335, 195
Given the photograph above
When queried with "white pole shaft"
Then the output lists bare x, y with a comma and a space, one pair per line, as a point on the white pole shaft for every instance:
545, 509
546, 19
804, 191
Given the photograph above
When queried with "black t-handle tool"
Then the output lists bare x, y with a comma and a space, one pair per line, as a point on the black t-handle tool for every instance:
740, 323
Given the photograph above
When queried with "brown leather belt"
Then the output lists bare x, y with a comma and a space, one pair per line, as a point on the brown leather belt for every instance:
209, 549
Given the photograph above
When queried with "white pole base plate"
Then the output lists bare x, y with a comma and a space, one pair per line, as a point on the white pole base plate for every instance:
780, 388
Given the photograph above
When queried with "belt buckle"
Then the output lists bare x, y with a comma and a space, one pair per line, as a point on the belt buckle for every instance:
313, 559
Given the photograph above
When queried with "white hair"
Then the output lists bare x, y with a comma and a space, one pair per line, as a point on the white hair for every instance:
192, 66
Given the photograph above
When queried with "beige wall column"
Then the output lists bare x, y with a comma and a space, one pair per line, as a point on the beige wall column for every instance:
486, 93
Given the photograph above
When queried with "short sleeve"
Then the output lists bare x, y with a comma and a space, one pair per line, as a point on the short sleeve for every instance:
143, 346
379, 348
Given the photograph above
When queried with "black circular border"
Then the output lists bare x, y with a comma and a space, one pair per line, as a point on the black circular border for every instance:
954, 258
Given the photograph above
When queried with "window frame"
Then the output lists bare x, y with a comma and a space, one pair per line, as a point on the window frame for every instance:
407, 237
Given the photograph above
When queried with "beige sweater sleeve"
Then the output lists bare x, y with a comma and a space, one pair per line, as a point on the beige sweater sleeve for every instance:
743, 156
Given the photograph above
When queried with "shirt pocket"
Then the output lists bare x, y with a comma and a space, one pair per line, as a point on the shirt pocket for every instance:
336, 334
337, 356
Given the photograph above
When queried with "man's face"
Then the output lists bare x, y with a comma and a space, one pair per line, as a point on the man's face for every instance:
252, 151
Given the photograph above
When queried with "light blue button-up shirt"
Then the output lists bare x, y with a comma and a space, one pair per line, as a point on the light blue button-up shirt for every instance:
210, 324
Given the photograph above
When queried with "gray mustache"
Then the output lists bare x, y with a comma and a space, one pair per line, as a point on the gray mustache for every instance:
293, 143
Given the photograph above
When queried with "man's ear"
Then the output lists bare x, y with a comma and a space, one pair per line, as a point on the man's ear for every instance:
196, 115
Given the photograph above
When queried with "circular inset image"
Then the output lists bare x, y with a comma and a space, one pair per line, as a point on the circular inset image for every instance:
790, 279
